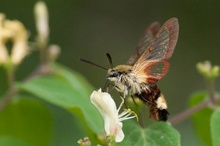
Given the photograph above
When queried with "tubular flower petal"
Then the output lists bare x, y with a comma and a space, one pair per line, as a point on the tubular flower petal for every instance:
19, 37
12, 30
112, 119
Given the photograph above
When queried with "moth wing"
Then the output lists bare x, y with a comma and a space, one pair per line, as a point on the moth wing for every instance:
144, 42
164, 43
153, 64
153, 71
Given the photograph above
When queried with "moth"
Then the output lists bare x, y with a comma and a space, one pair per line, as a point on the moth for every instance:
148, 64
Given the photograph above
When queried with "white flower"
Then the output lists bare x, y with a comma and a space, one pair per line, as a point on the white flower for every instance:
112, 119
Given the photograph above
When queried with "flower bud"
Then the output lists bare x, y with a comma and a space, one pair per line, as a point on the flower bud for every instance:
53, 52
84, 142
41, 18
207, 70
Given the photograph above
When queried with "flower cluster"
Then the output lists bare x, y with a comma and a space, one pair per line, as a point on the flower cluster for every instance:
208, 70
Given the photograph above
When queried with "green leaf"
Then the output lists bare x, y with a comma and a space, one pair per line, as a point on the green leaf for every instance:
215, 128
67, 128
157, 134
66, 89
201, 119
28, 120
10, 141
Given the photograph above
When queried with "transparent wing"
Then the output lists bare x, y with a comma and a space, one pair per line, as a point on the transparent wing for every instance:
155, 70
144, 42
153, 62
163, 44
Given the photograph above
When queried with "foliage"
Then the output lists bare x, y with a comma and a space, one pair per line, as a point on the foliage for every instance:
157, 134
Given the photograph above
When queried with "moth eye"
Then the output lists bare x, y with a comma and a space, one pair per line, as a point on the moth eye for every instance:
114, 74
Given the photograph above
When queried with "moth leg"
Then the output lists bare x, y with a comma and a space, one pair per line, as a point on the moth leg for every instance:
123, 99
107, 86
133, 99
145, 100
122, 102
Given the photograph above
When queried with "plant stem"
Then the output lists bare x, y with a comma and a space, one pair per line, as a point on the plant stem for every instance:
10, 68
42, 69
211, 100
12, 91
42, 46
185, 114
210, 85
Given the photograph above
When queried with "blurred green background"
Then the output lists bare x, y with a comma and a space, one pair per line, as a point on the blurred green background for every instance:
89, 29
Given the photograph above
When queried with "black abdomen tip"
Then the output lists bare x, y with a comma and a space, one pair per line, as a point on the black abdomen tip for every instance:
163, 115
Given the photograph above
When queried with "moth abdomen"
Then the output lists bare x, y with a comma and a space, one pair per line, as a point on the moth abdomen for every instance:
156, 102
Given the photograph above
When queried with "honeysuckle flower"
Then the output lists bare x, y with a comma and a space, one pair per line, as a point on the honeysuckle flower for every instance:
14, 31
112, 119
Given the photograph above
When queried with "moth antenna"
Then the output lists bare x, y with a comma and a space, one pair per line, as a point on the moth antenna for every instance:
92, 63
109, 60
